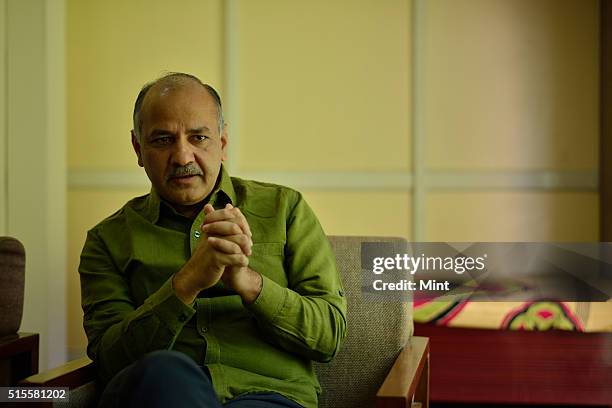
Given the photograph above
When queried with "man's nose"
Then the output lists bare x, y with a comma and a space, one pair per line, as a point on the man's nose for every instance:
182, 153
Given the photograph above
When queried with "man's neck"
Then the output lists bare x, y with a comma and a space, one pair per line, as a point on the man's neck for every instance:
188, 211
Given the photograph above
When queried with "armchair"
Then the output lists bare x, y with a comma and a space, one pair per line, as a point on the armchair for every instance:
380, 364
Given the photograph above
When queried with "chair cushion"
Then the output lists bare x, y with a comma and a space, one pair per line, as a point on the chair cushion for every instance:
377, 331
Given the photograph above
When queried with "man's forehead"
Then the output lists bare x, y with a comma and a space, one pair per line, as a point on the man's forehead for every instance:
185, 94
168, 87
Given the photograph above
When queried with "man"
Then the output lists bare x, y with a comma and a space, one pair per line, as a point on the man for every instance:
211, 290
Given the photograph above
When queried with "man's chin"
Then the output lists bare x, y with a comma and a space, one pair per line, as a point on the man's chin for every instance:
186, 196
184, 193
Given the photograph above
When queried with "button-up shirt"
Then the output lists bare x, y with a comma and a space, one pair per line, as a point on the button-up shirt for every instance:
130, 307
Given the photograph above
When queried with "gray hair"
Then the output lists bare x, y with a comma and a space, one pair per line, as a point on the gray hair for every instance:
175, 76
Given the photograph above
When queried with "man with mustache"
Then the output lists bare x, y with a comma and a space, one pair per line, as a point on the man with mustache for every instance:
211, 290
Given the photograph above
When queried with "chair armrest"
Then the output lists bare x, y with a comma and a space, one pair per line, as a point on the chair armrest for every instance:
408, 379
72, 374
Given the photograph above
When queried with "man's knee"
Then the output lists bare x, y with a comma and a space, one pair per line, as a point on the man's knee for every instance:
169, 378
167, 359
166, 366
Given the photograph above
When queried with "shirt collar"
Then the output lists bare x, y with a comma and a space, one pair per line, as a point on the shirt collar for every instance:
226, 186
224, 193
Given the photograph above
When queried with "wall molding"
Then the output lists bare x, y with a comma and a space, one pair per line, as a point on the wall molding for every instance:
514, 180
545, 180
231, 60
419, 141
107, 179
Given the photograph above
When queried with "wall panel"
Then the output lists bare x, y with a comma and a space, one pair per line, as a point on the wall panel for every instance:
323, 85
382, 213
512, 216
510, 84
113, 48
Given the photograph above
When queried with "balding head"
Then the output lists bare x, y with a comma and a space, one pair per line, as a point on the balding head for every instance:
166, 84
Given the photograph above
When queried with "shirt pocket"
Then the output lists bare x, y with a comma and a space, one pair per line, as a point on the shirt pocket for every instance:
268, 259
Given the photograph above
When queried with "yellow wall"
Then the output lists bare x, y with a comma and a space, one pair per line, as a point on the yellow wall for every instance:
530, 69
509, 216
113, 48
322, 75
326, 86
510, 85
383, 213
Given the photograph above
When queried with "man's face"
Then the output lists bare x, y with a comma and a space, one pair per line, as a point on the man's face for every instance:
180, 146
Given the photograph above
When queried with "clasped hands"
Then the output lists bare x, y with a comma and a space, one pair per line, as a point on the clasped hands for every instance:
221, 254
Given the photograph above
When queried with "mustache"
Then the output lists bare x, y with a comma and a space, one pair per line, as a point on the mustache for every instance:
190, 169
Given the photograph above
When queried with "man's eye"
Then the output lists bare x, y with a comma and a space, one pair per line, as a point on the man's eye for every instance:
200, 138
164, 140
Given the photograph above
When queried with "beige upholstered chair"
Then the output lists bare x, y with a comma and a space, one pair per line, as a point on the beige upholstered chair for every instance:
380, 364
377, 333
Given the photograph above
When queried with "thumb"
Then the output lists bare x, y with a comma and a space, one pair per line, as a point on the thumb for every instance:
208, 208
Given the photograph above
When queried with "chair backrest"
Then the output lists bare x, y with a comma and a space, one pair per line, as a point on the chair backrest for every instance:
377, 331
12, 281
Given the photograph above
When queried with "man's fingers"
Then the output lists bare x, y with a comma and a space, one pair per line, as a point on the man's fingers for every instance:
222, 228
241, 240
223, 245
228, 253
208, 208
229, 213
243, 222
239, 260
220, 215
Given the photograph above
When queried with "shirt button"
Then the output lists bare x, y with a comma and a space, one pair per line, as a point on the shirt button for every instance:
196, 234
203, 329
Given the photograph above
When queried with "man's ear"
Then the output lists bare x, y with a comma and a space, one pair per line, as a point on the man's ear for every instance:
224, 143
136, 146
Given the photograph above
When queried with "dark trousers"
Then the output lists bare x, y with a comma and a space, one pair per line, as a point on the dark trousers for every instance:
171, 379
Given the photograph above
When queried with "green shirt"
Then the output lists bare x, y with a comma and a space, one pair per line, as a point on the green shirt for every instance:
130, 308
